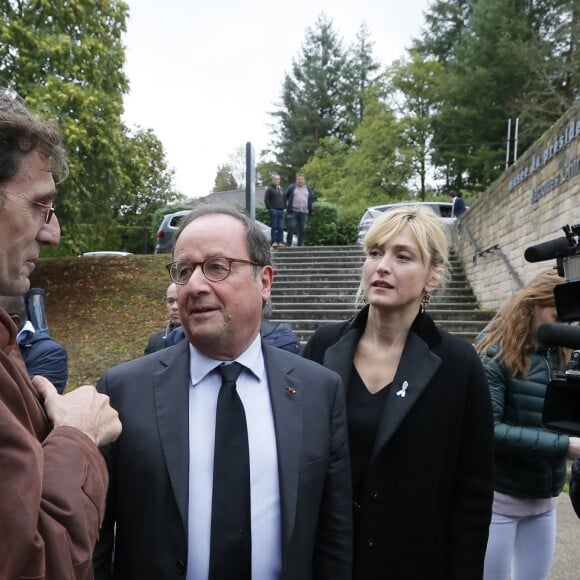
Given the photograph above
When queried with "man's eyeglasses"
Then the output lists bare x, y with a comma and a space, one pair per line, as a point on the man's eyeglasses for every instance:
214, 269
46, 210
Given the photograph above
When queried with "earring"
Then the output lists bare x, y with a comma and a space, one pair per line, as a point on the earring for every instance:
425, 302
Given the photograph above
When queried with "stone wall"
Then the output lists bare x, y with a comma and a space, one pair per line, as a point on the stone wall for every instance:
528, 204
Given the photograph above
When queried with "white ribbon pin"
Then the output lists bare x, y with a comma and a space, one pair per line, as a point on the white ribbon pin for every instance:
403, 390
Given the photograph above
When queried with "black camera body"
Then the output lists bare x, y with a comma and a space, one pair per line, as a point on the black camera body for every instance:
561, 411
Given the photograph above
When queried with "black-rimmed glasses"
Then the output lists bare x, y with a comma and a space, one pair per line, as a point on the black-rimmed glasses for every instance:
214, 269
46, 209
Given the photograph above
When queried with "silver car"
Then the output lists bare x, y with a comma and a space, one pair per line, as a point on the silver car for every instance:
441, 208
171, 222
166, 231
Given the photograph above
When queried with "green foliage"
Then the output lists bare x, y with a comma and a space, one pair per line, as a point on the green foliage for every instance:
362, 72
371, 171
322, 225
347, 227
262, 214
264, 171
146, 181
224, 180
500, 60
414, 92
66, 58
134, 239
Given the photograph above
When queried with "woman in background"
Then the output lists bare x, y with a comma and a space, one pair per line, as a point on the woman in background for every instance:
530, 461
419, 413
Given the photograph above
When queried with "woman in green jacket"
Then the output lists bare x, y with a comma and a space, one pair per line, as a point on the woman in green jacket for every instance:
530, 461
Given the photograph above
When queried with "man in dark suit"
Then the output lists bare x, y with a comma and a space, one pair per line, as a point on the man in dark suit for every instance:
159, 518
158, 340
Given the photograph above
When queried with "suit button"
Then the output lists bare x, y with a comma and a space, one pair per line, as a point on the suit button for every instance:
180, 568
355, 505
371, 544
375, 495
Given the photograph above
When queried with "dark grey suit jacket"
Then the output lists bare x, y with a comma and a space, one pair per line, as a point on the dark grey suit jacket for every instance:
149, 468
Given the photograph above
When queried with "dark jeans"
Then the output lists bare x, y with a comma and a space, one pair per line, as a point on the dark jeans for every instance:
277, 219
296, 221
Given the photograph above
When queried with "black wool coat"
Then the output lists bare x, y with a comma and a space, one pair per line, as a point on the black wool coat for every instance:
425, 508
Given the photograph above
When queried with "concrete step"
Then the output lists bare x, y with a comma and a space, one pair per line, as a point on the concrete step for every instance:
331, 276
314, 285
460, 302
334, 312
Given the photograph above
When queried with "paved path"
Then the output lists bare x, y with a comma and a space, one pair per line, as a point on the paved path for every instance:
567, 559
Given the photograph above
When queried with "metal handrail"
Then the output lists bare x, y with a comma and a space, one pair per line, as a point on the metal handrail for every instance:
477, 252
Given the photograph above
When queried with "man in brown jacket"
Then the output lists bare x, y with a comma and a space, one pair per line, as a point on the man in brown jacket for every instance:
53, 479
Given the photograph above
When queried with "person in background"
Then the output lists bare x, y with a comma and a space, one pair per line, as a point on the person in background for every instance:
419, 413
457, 204
53, 479
41, 353
158, 340
299, 199
530, 461
273, 333
276, 334
274, 202
165, 474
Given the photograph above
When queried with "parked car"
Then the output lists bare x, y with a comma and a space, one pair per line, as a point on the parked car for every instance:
106, 254
441, 208
170, 223
166, 231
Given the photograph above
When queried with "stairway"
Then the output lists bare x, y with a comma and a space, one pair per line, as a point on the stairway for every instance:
318, 284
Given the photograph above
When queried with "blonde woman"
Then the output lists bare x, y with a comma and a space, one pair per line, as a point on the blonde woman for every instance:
419, 413
530, 462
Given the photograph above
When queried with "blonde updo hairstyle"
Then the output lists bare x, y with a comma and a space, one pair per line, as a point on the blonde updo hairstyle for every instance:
426, 228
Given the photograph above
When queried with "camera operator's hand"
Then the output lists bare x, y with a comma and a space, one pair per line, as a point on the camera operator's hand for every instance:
84, 408
574, 447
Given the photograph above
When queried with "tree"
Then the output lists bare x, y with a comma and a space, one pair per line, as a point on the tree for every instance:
224, 180
148, 183
491, 67
500, 60
237, 165
66, 57
554, 80
373, 170
446, 21
311, 106
362, 72
414, 86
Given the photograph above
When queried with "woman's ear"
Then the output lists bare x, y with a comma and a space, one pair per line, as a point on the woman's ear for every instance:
434, 280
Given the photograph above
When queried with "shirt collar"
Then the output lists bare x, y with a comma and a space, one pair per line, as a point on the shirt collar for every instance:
200, 365
25, 332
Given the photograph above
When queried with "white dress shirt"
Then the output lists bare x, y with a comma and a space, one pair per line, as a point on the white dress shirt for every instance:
252, 387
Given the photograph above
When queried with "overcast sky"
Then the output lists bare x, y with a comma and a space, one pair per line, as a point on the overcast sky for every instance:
205, 75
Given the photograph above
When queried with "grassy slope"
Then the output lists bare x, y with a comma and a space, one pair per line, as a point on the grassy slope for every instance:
102, 309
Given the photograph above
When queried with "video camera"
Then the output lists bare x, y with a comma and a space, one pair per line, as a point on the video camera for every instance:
561, 411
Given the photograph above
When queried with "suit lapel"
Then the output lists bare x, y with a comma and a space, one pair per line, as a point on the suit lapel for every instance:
416, 369
286, 398
171, 386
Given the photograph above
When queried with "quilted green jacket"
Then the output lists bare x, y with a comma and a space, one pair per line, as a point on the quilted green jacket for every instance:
530, 461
